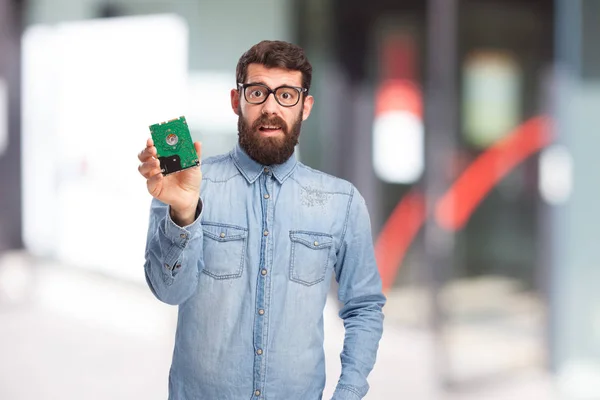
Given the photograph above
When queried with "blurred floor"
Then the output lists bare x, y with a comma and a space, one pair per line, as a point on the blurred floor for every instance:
69, 334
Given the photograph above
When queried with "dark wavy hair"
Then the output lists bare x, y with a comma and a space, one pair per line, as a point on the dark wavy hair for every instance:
275, 54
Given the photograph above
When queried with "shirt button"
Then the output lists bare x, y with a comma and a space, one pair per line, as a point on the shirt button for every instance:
266, 233
183, 236
222, 234
266, 196
259, 352
261, 312
266, 170
257, 393
263, 272
316, 243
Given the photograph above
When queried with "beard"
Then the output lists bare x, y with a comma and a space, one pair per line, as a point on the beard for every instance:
268, 150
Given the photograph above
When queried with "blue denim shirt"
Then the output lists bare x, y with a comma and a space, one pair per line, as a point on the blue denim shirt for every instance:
251, 276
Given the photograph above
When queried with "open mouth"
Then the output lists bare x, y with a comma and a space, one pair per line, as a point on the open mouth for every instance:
270, 129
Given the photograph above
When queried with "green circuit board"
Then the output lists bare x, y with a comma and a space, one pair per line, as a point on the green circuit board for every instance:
174, 145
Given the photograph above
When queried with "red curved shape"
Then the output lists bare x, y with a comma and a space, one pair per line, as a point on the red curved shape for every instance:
397, 235
456, 206
458, 203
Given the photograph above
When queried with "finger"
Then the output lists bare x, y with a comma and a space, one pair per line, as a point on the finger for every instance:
154, 183
198, 147
149, 142
149, 168
148, 153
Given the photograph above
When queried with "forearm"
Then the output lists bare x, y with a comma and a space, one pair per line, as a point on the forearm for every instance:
173, 256
363, 321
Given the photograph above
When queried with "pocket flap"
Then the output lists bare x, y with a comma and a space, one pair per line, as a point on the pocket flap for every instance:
314, 240
224, 232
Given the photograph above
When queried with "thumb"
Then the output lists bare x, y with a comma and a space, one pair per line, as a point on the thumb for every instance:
154, 184
198, 147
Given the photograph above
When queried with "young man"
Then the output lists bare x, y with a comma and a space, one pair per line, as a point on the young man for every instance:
247, 246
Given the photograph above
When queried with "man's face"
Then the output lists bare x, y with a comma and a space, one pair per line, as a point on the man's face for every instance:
268, 132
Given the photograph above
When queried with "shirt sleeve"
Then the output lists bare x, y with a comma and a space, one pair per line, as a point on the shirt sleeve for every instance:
360, 292
173, 255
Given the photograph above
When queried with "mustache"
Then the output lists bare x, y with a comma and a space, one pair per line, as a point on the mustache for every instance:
264, 120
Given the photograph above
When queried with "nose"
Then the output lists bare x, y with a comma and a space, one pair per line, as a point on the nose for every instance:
270, 106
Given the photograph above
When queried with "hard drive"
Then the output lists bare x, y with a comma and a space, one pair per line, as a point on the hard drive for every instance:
174, 145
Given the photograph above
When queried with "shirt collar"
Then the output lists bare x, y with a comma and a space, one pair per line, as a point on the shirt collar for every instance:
251, 170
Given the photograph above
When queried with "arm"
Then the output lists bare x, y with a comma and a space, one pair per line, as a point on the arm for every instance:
173, 255
362, 299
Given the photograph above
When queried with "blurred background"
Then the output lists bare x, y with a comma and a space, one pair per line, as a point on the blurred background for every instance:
470, 127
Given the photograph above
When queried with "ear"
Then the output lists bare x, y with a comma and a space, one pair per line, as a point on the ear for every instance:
235, 101
307, 107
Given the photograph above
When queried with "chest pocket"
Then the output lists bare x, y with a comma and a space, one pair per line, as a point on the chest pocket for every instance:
224, 250
309, 259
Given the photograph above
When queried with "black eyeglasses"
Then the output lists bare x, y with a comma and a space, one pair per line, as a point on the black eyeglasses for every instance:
257, 93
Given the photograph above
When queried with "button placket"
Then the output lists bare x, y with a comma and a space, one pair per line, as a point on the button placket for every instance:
263, 286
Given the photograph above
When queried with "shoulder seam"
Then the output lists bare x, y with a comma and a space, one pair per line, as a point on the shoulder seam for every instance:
215, 159
220, 180
346, 219
318, 172
222, 158
335, 178
323, 191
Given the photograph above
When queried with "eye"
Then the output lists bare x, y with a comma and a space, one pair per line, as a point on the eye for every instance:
287, 95
255, 93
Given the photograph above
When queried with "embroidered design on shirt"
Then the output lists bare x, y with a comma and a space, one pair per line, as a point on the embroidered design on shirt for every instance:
313, 197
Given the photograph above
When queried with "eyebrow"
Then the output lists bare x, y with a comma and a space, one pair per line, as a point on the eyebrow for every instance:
256, 82
263, 83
